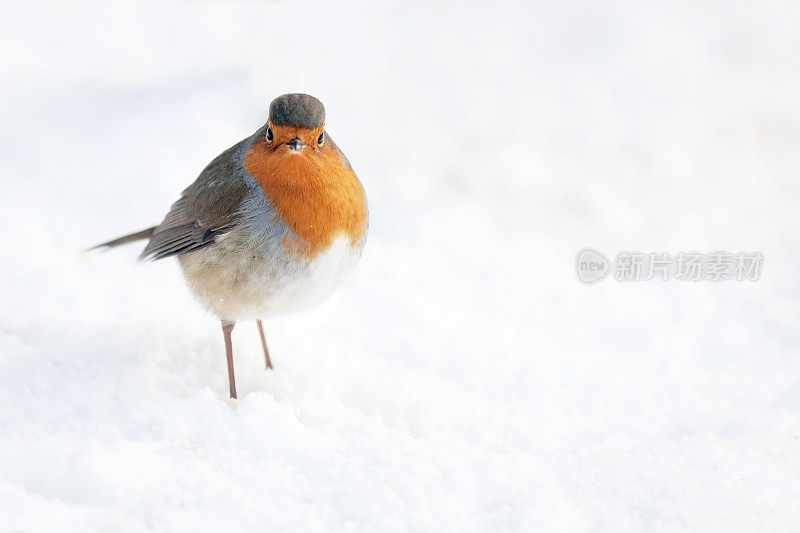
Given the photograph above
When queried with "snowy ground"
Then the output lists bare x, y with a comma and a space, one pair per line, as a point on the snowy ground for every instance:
463, 379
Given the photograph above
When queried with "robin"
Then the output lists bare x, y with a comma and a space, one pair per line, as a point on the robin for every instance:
271, 226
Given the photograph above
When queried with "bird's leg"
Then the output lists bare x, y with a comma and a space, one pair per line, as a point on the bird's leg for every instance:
264, 343
227, 327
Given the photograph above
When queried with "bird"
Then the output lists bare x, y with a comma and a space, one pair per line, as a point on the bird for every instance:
271, 226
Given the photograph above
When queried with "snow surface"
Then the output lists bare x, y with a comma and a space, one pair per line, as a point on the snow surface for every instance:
462, 379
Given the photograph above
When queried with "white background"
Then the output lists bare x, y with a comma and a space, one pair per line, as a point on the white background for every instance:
462, 379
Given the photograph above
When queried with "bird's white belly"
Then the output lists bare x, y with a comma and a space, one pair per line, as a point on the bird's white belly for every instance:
239, 282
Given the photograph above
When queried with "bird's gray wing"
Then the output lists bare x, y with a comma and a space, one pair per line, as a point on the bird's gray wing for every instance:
207, 209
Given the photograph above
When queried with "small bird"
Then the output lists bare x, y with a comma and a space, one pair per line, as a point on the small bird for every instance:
272, 225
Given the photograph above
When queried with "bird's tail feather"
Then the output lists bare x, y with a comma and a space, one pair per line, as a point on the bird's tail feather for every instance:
138, 236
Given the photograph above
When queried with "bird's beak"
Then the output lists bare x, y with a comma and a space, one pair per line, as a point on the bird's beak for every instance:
295, 145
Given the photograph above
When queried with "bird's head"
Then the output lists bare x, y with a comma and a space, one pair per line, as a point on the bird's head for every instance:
293, 147
296, 125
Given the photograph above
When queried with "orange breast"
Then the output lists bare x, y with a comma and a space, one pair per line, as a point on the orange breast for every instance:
315, 193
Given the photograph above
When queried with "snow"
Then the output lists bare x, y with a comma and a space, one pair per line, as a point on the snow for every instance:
462, 379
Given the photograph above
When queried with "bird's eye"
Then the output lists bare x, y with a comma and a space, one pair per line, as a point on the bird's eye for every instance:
269, 134
321, 138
